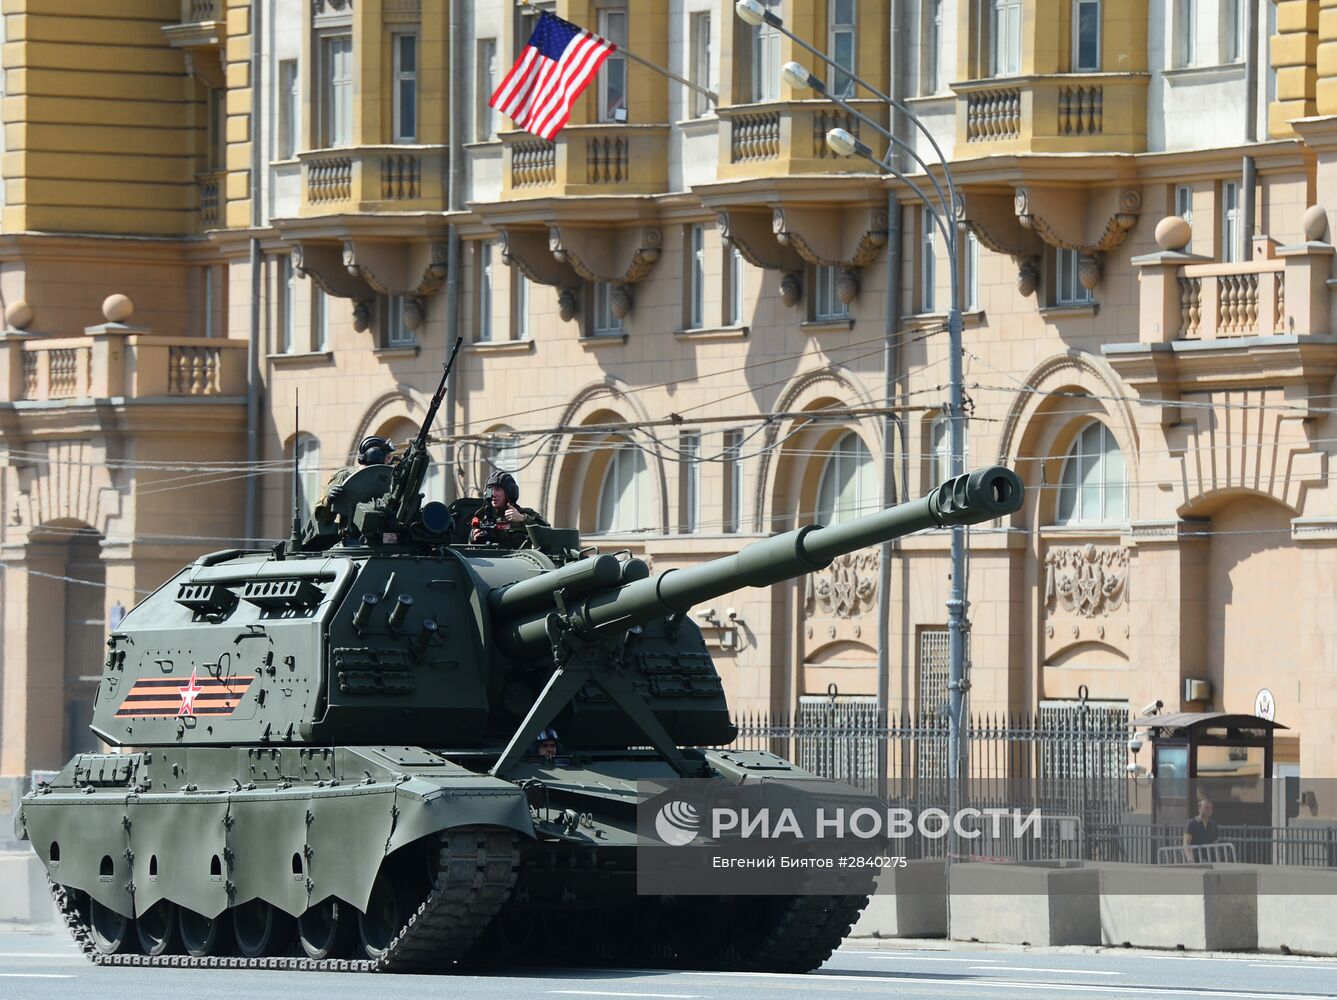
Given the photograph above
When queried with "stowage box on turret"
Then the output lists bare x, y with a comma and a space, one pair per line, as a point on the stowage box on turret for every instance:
328, 760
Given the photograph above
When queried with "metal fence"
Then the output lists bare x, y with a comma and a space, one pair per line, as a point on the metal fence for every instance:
1068, 762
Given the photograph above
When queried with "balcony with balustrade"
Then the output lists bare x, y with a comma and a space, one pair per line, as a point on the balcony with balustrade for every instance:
586, 160
110, 362
373, 180
789, 137
1205, 325
1059, 113
203, 25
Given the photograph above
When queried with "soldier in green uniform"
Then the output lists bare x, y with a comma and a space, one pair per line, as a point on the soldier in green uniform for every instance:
374, 450
501, 521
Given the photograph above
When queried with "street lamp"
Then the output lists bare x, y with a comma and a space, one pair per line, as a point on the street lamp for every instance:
943, 210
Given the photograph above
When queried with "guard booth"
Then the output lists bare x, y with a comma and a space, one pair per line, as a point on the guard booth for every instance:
1218, 755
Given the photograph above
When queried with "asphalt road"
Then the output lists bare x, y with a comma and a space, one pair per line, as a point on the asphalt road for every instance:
37, 967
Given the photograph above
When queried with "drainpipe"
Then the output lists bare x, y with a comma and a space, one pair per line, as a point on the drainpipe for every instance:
890, 361
1248, 189
253, 344
454, 194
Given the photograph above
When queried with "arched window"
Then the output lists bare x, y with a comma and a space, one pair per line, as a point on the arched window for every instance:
309, 483
625, 497
1094, 484
849, 483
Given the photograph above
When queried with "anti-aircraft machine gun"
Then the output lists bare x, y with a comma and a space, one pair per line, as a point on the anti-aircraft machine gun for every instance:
325, 749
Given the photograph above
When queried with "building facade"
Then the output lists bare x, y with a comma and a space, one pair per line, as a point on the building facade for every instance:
689, 324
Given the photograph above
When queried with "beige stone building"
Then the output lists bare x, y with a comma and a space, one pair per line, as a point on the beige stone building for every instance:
677, 334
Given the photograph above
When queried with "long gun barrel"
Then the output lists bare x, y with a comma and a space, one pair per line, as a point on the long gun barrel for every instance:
968, 499
405, 491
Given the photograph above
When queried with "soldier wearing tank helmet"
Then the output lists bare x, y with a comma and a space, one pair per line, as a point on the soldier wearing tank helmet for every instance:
501, 521
374, 450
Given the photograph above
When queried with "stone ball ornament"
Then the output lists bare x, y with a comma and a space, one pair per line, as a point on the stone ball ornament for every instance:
117, 308
1173, 233
1314, 223
18, 315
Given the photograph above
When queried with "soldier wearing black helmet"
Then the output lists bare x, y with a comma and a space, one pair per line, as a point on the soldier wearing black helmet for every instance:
501, 521
374, 450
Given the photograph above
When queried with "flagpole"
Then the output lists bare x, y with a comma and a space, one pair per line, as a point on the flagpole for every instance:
714, 97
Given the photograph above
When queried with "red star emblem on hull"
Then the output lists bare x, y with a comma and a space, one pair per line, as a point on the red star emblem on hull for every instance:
189, 691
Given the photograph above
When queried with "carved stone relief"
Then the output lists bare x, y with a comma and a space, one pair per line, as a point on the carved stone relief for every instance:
1087, 580
845, 589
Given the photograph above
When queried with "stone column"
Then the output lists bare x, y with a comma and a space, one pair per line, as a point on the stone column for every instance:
32, 699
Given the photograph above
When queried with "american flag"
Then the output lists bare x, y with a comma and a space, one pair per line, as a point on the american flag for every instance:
556, 65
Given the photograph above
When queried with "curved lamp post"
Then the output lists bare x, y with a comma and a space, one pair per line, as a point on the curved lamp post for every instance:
943, 210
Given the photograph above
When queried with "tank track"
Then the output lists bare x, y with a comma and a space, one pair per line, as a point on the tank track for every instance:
476, 874
807, 931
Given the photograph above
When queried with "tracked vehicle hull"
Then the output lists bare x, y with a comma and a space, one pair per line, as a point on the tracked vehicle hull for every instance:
388, 859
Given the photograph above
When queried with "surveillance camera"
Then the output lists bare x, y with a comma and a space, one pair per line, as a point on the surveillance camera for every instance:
1151, 708
1134, 743
1136, 770
731, 614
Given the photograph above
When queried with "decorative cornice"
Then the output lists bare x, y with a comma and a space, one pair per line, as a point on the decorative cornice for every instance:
1116, 225
749, 231
818, 240
397, 270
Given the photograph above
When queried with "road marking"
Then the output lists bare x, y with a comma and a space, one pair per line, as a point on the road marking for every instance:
35, 975
911, 958
1292, 965
1029, 968
994, 984
602, 993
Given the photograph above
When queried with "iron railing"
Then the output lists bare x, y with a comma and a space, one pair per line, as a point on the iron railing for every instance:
1067, 762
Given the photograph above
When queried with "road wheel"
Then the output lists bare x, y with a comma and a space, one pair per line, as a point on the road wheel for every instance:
386, 914
201, 935
112, 932
261, 929
158, 929
326, 930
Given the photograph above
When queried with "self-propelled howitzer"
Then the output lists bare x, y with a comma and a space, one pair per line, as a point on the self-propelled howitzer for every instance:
334, 751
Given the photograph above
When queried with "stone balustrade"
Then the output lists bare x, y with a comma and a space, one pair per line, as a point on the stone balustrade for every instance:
1282, 290
587, 159
1068, 112
197, 11
374, 178
789, 137
111, 362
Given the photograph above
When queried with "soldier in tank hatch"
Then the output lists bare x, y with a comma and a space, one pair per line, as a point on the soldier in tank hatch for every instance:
501, 521
374, 450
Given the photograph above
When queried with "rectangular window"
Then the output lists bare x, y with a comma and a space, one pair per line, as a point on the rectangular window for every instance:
1184, 208
733, 480
519, 304
689, 513
1005, 34
1230, 222
827, 304
336, 73
971, 267
485, 121
1070, 290
696, 277
308, 473
1086, 36
406, 87
1232, 31
484, 318
932, 48
613, 75
1187, 28
606, 322
320, 319
928, 262
289, 110
700, 66
733, 286
397, 332
287, 305
766, 59
841, 47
